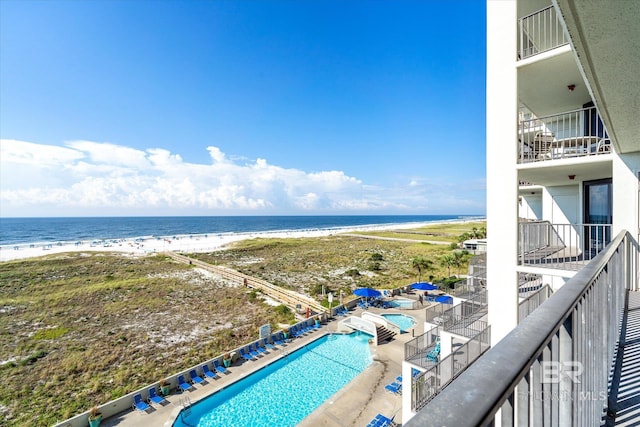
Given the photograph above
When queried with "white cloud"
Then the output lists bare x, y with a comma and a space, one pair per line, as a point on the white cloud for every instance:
28, 153
86, 177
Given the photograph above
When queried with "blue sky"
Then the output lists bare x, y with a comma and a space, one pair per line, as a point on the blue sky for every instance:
145, 107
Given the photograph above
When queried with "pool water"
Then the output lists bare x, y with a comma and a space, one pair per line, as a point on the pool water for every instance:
405, 304
288, 390
403, 321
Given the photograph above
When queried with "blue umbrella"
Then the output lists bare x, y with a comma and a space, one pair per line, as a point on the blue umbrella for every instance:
424, 286
445, 299
367, 292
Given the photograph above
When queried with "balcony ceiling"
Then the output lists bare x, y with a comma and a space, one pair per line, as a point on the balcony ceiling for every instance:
543, 85
606, 37
558, 171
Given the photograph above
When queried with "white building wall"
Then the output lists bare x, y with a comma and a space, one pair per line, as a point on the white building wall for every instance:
502, 176
531, 207
625, 193
561, 204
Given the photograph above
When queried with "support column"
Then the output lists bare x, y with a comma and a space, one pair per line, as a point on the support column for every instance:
502, 175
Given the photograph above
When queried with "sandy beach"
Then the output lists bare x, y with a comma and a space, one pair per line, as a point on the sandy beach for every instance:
181, 243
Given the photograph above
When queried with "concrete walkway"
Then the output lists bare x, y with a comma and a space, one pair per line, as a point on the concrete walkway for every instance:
625, 386
354, 405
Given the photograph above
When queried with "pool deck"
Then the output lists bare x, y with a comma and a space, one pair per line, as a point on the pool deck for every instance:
354, 405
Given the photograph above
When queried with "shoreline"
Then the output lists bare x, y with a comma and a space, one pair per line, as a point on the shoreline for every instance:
190, 243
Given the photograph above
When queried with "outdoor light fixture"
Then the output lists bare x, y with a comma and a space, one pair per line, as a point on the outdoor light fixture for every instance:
572, 177
571, 87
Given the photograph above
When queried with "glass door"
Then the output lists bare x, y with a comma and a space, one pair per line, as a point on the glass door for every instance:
598, 215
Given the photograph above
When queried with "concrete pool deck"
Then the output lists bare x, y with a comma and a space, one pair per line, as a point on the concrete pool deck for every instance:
355, 404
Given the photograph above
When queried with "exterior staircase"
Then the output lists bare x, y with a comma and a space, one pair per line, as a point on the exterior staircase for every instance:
384, 334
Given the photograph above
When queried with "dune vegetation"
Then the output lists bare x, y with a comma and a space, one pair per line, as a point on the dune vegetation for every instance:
82, 328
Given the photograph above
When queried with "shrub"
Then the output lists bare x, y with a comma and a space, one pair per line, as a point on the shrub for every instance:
376, 257
352, 272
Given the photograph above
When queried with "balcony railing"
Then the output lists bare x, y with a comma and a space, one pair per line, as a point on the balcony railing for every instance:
560, 246
528, 283
426, 385
533, 301
539, 32
571, 134
462, 319
554, 367
416, 350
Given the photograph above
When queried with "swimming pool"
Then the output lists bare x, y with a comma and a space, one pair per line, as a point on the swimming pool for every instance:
286, 391
405, 304
403, 321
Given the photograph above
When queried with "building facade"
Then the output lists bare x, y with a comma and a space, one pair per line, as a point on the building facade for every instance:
563, 185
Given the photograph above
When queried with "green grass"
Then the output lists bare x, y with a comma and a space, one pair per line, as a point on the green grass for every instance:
447, 232
84, 328
78, 330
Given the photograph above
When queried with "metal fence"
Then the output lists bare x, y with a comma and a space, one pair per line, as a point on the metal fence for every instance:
533, 301
566, 135
469, 286
539, 32
576, 329
429, 383
416, 350
562, 246
528, 283
464, 318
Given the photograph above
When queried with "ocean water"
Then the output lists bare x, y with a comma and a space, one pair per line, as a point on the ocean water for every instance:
15, 231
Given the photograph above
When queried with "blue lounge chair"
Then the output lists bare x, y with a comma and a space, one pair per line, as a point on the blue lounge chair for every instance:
140, 404
208, 372
381, 421
260, 348
184, 386
195, 378
253, 352
155, 398
219, 369
245, 355
394, 387
278, 339
268, 344
434, 354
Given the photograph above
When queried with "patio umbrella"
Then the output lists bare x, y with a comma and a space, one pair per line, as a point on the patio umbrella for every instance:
367, 292
424, 286
444, 299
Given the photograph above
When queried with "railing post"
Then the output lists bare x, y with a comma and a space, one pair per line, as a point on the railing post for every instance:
567, 361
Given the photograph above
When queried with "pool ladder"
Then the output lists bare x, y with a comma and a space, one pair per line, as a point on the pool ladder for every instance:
186, 406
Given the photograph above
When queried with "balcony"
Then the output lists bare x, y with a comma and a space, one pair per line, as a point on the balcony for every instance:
465, 319
577, 133
540, 32
533, 301
427, 384
570, 362
560, 246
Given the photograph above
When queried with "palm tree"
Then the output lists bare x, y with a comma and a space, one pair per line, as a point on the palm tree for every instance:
421, 264
458, 260
447, 261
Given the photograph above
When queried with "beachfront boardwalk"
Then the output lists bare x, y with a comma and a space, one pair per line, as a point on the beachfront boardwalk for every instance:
288, 297
354, 405
625, 385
